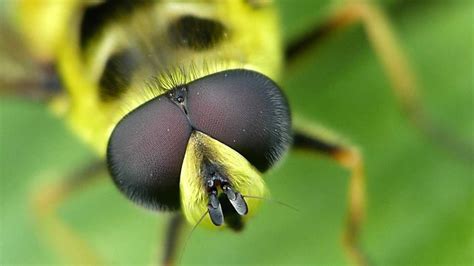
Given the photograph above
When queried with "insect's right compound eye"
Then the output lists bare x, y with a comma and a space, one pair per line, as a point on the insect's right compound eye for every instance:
146, 151
246, 111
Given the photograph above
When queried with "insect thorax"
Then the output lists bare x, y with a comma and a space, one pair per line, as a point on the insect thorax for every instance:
121, 55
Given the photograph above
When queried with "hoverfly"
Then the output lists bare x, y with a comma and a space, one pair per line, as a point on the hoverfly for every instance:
135, 102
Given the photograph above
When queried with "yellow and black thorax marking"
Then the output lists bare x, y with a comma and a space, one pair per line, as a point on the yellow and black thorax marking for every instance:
108, 53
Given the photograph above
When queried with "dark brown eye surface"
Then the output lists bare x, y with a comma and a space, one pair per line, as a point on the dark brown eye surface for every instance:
244, 110
145, 153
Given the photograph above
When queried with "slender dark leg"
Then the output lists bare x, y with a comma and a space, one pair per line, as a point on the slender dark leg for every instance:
21, 73
45, 202
298, 48
174, 236
395, 63
350, 158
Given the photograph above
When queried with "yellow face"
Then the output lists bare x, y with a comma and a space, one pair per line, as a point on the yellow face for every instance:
123, 65
245, 178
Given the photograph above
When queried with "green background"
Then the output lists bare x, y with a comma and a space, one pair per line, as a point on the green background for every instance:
421, 199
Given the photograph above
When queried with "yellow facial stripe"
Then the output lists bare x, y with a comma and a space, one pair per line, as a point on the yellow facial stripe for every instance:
243, 176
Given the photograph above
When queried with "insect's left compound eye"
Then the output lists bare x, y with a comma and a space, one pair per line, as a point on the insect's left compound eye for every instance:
145, 153
242, 109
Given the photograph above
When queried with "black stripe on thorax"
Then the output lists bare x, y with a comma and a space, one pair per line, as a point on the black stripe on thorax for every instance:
95, 17
117, 75
196, 33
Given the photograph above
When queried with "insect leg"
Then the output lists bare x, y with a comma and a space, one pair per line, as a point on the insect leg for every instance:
348, 157
46, 201
297, 49
395, 63
22, 74
173, 239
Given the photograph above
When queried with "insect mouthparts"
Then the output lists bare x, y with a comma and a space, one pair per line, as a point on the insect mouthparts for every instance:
214, 182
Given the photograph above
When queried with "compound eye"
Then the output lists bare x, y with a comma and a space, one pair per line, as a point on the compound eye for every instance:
146, 151
244, 110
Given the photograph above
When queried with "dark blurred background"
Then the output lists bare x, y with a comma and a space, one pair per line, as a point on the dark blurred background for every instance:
420, 197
